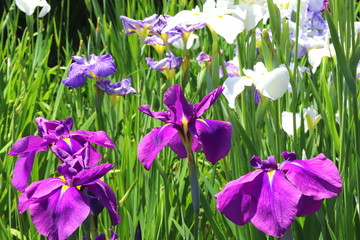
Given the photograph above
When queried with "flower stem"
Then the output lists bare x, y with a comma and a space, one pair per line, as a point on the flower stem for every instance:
195, 194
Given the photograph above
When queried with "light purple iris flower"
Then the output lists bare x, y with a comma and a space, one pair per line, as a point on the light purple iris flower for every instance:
114, 236
272, 196
166, 65
203, 57
141, 27
97, 66
58, 206
66, 145
184, 129
121, 88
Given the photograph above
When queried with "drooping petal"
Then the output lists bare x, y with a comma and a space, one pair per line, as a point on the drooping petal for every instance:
92, 174
162, 116
153, 142
174, 98
317, 177
307, 205
177, 146
215, 137
277, 204
98, 138
45, 8
107, 198
226, 26
238, 200
233, 86
287, 122
315, 57
101, 66
207, 101
22, 170
28, 144
76, 76
274, 84
58, 216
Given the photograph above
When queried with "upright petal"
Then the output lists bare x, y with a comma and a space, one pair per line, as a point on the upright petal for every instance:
58, 216
317, 177
215, 137
153, 142
174, 98
207, 101
107, 198
238, 200
277, 204
98, 138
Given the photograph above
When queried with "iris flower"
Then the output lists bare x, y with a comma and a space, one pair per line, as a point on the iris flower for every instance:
97, 66
55, 135
140, 27
58, 206
28, 6
272, 196
121, 88
114, 236
184, 129
167, 65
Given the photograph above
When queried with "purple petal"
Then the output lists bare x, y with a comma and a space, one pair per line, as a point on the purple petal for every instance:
277, 204
317, 177
177, 146
28, 144
308, 206
107, 198
238, 200
153, 142
162, 116
69, 145
76, 76
98, 138
22, 170
92, 174
174, 98
58, 216
215, 137
207, 101
104, 66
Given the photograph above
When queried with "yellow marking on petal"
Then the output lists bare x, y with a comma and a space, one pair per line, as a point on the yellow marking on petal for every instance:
63, 189
67, 140
220, 16
202, 120
271, 175
62, 179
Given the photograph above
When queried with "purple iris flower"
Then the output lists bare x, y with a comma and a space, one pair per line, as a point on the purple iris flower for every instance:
231, 69
203, 57
184, 130
58, 206
97, 66
272, 196
121, 88
166, 65
114, 236
66, 145
141, 27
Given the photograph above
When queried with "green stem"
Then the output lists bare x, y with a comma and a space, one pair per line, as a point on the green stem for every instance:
195, 190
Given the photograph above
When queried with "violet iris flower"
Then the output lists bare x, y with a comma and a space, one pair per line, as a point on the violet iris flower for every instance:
97, 66
121, 88
272, 196
55, 135
166, 65
184, 130
203, 57
58, 206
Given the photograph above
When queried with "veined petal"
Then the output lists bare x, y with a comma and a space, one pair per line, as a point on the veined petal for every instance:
207, 101
317, 177
308, 206
177, 146
107, 198
98, 138
28, 144
233, 87
153, 142
58, 216
215, 137
274, 214
92, 174
187, 17
274, 84
238, 200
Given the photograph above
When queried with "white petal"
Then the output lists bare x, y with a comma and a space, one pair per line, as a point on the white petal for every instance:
45, 9
233, 87
273, 84
226, 26
28, 7
315, 56
287, 122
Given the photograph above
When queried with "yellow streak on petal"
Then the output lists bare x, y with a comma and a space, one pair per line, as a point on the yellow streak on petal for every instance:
271, 175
